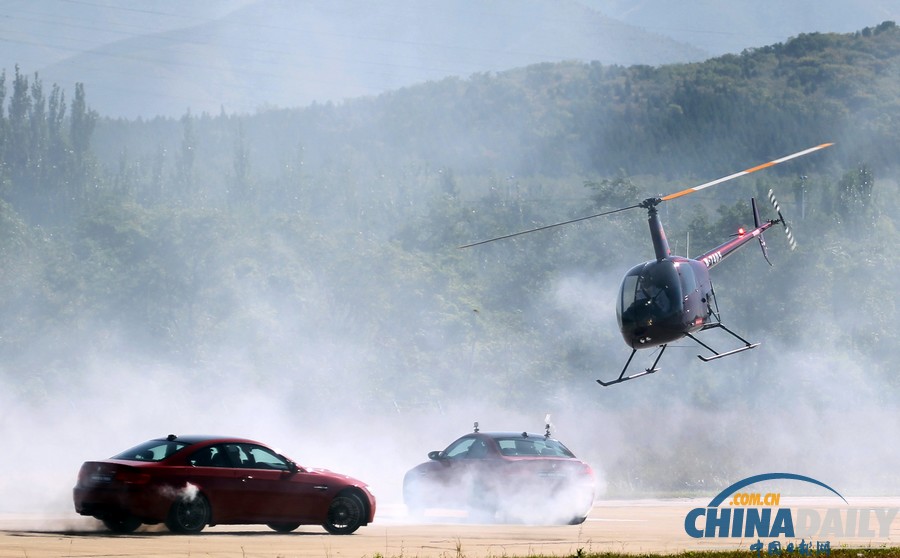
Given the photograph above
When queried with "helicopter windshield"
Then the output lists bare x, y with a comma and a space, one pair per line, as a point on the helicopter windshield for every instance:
688, 279
650, 290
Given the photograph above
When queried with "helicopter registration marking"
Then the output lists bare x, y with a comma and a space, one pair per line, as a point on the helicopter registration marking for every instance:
712, 259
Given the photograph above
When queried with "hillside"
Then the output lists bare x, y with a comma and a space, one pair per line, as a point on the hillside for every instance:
582, 119
721, 28
289, 54
164, 57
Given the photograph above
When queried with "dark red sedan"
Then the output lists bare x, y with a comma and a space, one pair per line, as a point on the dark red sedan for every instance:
506, 476
189, 482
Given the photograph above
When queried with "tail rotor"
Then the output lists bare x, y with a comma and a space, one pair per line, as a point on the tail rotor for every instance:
784, 223
756, 224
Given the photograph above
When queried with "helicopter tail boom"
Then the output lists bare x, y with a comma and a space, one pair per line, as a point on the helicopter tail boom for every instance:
719, 253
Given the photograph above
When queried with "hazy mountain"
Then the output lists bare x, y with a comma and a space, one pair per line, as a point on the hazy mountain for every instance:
165, 57
37, 33
729, 27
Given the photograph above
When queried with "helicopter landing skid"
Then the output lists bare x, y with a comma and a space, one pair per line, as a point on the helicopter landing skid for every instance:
623, 378
716, 355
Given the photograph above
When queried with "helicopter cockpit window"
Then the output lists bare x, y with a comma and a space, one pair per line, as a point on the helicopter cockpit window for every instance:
688, 281
656, 294
654, 287
629, 290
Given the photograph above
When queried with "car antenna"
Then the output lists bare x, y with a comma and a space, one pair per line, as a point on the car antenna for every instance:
547, 426
171, 437
476, 426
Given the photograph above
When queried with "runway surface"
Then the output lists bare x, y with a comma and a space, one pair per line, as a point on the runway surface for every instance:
632, 526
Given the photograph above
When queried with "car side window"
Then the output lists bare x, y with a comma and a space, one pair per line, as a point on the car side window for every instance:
518, 447
259, 457
527, 447
212, 456
154, 450
234, 454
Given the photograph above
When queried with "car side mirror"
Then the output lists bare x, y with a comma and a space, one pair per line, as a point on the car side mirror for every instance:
436, 455
293, 468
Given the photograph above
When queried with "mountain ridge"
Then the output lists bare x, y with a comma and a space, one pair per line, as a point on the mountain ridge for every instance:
308, 52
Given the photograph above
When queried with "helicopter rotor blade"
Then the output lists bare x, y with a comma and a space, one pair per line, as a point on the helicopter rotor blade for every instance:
545, 227
745, 172
652, 202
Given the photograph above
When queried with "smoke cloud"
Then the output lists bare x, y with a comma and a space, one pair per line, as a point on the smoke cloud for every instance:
324, 390
778, 408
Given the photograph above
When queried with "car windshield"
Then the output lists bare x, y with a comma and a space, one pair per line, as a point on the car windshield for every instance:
153, 450
543, 447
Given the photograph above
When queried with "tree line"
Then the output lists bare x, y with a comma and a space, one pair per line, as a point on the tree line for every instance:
46, 163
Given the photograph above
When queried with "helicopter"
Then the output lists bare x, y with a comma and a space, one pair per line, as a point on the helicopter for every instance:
672, 297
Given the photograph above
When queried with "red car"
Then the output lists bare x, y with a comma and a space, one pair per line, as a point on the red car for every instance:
509, 476
189, 482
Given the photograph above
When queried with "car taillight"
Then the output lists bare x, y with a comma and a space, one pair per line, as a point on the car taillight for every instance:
583, 470
132, 477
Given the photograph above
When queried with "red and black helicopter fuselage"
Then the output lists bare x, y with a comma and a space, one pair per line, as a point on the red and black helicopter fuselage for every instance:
664, 299
672, 297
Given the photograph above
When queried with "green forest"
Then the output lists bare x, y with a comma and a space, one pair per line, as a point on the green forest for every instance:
312, 251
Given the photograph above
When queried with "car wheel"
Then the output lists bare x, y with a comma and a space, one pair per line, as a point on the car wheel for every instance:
122, 523
345, 514
188, 515
577, 520
283, 527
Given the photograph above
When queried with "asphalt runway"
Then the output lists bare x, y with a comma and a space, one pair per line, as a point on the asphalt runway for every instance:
632, 526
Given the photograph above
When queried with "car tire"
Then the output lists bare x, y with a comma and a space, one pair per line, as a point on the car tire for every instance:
282, 527
123, 524
346, 514
188, 515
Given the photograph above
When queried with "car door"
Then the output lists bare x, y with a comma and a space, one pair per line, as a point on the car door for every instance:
460, 468
275, 490
213, 474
